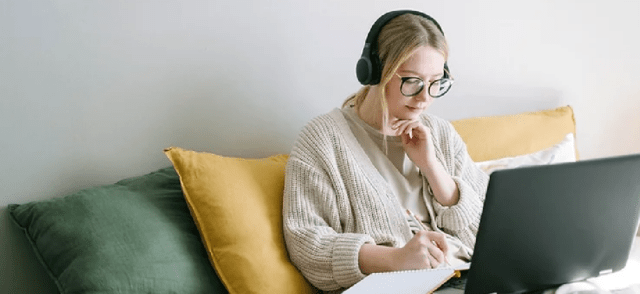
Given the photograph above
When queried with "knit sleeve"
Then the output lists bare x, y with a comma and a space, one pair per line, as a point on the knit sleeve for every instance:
462, 219
327, 257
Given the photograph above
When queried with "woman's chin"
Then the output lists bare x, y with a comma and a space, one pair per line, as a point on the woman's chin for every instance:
409, 115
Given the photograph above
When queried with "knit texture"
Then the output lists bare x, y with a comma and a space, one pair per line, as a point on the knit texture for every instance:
335, 200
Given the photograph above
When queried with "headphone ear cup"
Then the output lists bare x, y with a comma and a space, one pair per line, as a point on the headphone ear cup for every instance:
376, 70
364, 69
368, 70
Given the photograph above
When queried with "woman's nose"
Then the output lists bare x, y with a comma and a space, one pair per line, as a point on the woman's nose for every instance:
422, 96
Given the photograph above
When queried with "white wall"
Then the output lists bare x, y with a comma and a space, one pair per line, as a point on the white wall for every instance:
92, 91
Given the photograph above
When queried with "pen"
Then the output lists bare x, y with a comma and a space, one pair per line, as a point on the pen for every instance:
415, 218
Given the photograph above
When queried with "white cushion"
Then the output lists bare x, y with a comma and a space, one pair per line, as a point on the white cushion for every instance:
562, 152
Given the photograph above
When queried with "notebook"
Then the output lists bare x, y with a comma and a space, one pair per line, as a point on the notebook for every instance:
407, 282
543, 226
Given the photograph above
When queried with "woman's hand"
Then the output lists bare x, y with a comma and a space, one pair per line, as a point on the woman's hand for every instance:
416, 140
427, 249
418, 144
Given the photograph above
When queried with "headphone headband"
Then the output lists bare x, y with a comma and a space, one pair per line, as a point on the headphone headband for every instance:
369, 68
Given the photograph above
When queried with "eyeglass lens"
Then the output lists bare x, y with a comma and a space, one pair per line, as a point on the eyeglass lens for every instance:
412, 86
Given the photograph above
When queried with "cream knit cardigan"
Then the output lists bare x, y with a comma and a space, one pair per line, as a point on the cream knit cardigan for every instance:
335, 200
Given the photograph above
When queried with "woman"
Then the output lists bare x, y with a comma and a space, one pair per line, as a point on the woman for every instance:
378, 185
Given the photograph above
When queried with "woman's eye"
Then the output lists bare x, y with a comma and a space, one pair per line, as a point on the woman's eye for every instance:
413, 81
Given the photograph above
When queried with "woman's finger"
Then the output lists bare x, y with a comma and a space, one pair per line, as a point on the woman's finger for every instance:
435, 253
427, 258
408, 127
433, 261
401, 123
440, 241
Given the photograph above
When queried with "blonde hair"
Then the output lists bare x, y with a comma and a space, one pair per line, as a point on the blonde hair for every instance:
397, 40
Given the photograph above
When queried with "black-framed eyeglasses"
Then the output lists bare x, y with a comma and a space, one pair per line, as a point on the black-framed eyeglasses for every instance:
412, 86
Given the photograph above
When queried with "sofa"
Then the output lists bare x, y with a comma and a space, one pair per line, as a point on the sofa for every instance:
212, 224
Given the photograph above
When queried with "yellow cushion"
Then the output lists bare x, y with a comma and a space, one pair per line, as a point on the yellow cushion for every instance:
237, 206
494, 137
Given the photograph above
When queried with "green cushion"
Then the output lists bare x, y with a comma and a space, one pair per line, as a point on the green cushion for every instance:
134, 236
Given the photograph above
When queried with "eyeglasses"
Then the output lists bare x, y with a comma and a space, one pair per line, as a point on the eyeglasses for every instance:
412, 86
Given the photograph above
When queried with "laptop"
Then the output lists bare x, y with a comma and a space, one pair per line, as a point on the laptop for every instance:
544, 226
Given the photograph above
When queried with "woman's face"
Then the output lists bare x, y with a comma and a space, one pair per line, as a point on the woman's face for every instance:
425, 63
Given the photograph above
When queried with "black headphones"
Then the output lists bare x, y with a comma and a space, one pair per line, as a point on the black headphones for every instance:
369, 69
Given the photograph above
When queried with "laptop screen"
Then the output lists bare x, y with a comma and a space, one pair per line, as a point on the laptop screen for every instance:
544, 226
